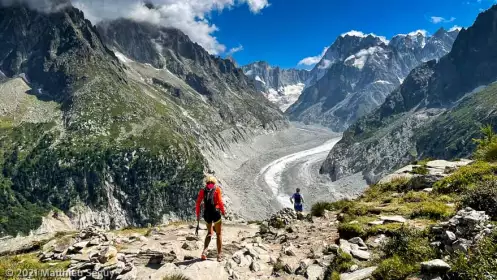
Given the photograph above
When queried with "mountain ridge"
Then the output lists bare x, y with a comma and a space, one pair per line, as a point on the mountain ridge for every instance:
358, 71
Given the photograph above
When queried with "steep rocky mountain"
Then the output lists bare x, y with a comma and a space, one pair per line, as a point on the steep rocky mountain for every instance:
280, 86
108, 143
358, 71
436, 112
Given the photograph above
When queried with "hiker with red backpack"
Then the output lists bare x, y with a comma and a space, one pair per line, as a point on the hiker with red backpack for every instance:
297, 200
211, 197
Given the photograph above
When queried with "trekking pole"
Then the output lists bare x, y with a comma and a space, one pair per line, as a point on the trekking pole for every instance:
198, 226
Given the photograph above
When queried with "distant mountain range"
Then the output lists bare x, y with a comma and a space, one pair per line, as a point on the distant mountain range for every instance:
359, 70
281, 86
436, 112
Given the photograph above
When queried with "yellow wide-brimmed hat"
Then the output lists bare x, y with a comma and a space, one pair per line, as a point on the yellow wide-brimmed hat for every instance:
210, 179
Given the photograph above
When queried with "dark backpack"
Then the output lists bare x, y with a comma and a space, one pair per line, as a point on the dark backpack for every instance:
298, 198
209, 204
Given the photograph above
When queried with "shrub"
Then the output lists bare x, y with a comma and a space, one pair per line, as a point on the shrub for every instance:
421, 170
480, 263
487, 145
349, 230
176, 277
387, 229
410, 245
433, 210
394, 268
415, 197
278, 266
318, 208
483, 198
466, 177
277, 223
335, 276
356, 209
341, 263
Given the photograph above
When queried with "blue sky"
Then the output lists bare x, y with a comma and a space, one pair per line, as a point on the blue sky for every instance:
289, 30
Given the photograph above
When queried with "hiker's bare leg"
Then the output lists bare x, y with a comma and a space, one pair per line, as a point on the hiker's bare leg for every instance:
219, 238
208, 237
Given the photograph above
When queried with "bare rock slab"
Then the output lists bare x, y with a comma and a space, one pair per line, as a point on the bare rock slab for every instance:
359, 274
393, 219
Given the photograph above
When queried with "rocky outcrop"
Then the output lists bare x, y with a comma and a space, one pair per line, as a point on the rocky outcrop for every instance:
462, 232
359, 71
408, 125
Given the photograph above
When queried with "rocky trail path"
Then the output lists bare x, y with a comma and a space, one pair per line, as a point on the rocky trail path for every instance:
285, 247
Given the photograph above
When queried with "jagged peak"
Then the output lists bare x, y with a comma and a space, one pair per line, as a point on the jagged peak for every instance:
455, 28
360, 34
421, 32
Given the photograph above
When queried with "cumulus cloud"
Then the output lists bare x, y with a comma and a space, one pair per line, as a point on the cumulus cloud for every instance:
234, 50
437, 20
189, 16
257, 5
309, 61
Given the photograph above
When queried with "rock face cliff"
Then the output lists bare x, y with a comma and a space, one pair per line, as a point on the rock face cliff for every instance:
358, 71
281, 86
435, 113
109, 143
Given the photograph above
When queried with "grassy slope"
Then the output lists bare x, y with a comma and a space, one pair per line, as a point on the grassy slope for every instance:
409, 245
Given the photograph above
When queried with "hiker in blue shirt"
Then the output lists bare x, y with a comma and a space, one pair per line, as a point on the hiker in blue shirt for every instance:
297, 200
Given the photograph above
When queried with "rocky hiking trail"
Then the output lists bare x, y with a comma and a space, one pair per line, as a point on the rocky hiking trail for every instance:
387, 233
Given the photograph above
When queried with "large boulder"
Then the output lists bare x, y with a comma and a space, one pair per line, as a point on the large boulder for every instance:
436, 266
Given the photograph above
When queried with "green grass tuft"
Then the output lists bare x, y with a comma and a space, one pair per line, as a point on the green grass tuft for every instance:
432, 210
393, 268
348, 230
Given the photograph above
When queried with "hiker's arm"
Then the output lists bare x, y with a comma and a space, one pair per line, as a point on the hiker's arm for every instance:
199, 202
302, 198
220, 201
291, 199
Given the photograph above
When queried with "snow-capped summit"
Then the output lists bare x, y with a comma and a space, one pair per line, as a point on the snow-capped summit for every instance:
455, 28
359, 70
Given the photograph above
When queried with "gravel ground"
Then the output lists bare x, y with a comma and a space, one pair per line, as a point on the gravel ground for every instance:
260, 176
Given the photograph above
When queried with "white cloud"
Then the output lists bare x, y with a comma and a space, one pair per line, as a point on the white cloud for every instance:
189, 16
441, 19
235, 50
309, 61
257, 5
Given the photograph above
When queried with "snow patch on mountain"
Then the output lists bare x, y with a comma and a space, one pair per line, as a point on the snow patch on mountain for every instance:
257, 78
362, 56
455, 28
122, 57
285, 96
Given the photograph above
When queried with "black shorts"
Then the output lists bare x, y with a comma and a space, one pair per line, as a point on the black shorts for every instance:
213, 217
